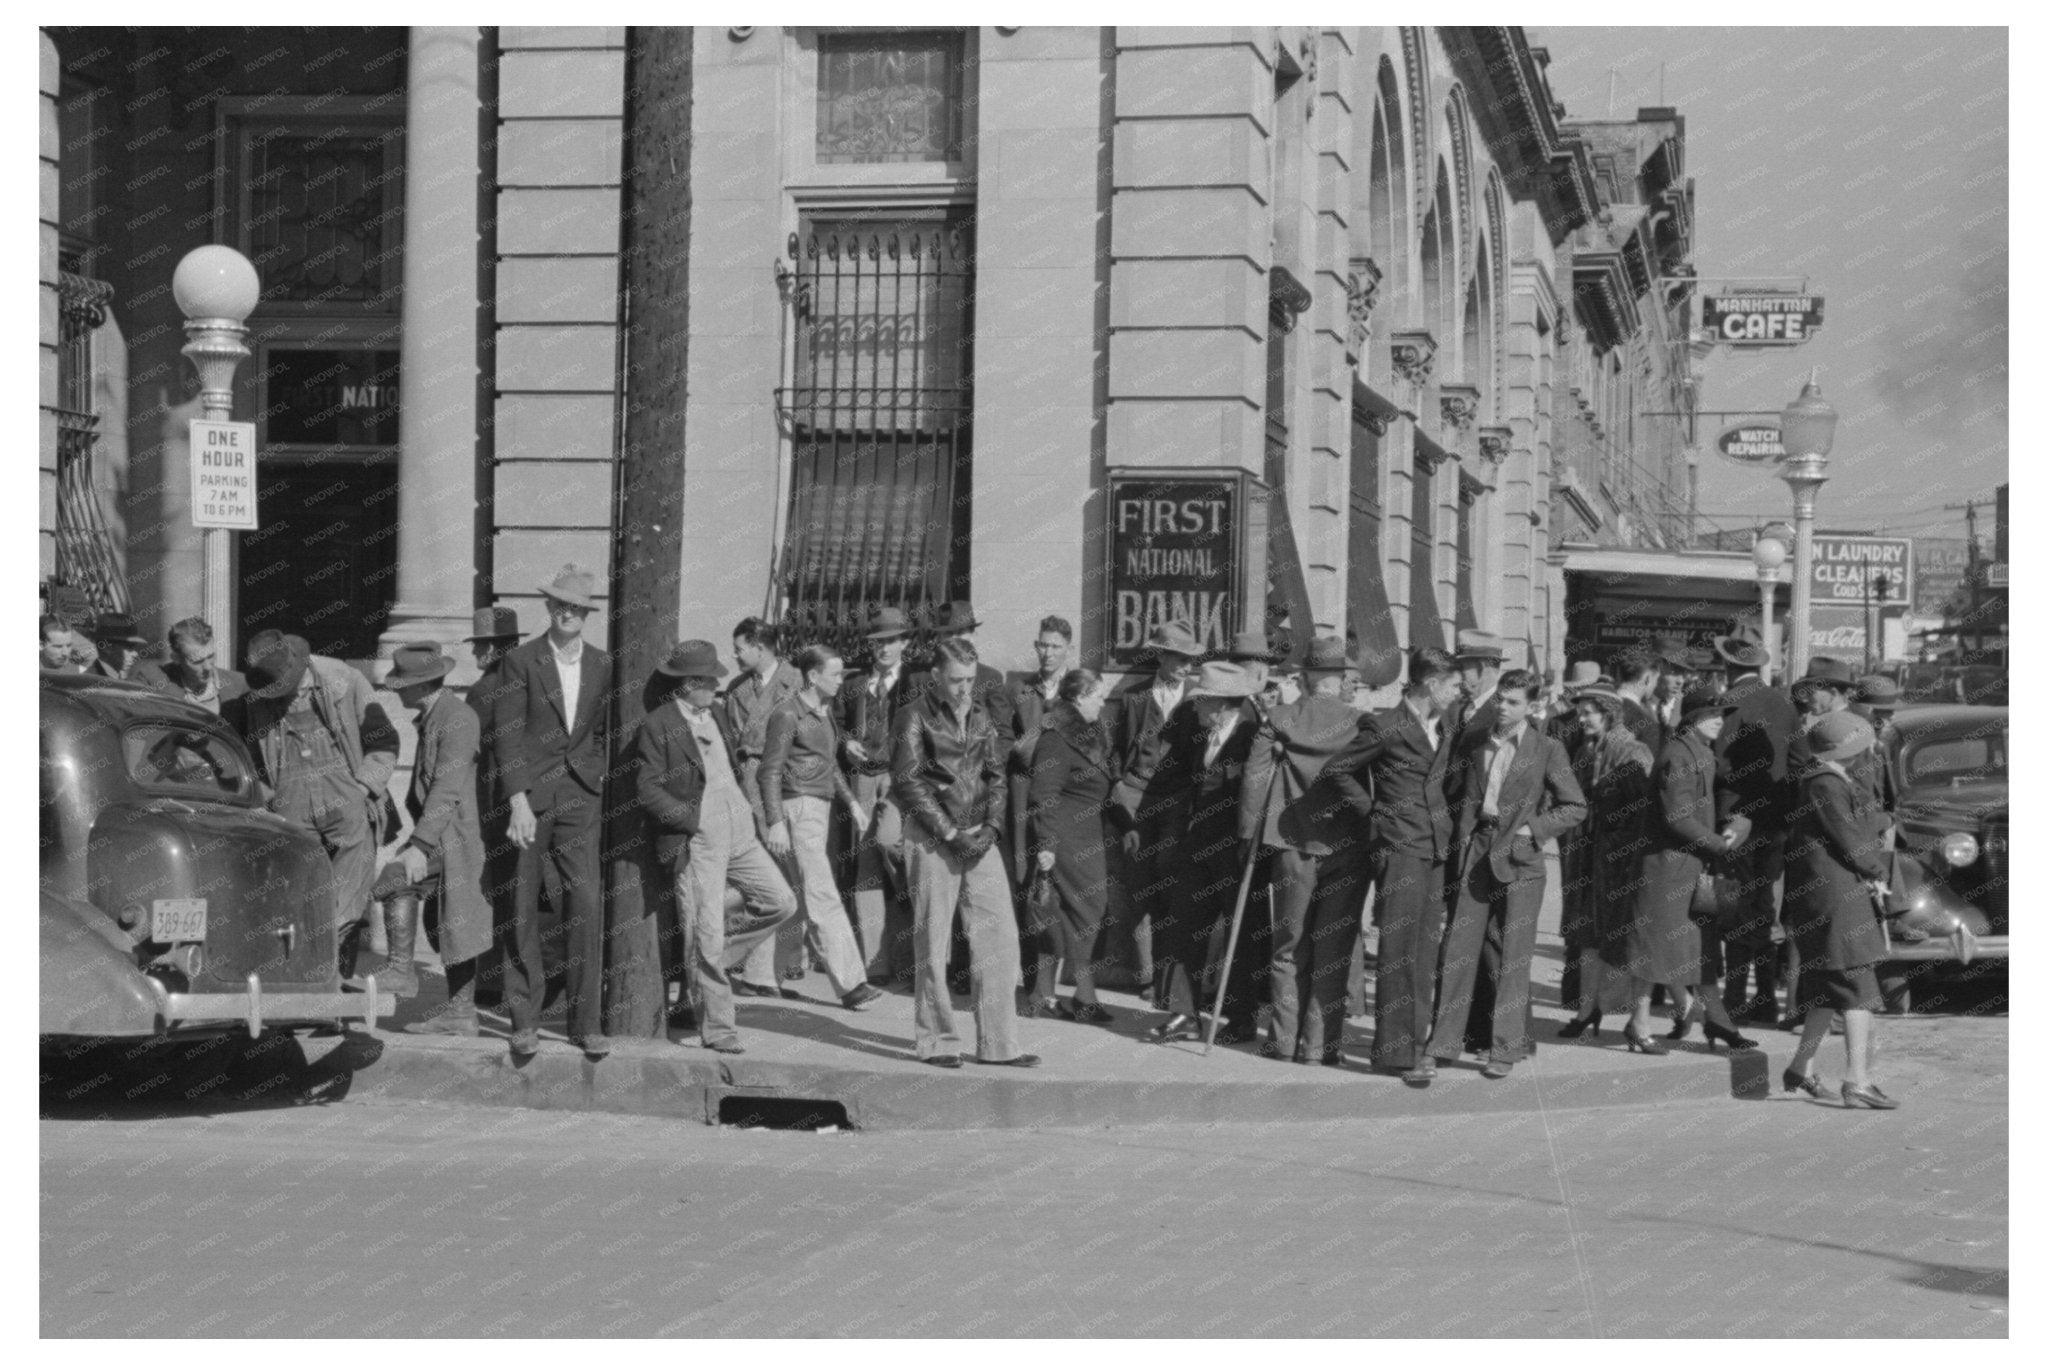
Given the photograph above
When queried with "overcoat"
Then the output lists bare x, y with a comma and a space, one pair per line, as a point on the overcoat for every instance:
1601, 859
1681, 843
1071, 776
442, 801
1835, 845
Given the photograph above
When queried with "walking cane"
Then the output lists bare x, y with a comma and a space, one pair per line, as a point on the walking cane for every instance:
1244, 887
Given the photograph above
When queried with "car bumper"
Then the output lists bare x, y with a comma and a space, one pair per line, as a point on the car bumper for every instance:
1961, 946
258, 1009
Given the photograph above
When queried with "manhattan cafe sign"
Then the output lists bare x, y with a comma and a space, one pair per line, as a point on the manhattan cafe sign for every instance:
1764, 319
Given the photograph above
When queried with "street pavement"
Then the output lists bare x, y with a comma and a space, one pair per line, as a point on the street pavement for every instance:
1705, 1218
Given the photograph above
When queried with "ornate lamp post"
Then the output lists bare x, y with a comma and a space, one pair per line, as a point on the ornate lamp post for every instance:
1768, 553
216, 288
1809, 433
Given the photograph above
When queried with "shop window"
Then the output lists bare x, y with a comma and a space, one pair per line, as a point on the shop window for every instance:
890, 96
880, 417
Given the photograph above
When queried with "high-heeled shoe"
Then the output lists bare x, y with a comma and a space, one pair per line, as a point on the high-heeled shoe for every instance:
1866, 1097
1793, 1081
1638, 1043
1581, 1025
1681, 1027
1716, 1034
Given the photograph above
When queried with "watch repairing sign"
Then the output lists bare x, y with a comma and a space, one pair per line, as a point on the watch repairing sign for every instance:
224, 475
1176, 552
1761, 319
1757, 443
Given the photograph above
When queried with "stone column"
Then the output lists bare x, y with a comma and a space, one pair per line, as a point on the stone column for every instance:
437, 374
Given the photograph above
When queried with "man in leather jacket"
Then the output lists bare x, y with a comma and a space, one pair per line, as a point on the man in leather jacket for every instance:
947, 774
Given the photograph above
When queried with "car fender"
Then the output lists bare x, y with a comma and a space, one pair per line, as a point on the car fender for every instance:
89, 984
1925, 906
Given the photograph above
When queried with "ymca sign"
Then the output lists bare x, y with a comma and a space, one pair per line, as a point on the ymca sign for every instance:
1761, 319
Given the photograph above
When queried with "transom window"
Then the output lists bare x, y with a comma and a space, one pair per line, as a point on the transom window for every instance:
890, 96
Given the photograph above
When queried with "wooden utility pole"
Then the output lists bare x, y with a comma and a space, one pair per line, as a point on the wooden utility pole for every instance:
1975, 575
647, 505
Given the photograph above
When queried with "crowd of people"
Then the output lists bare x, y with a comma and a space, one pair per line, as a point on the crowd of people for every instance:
1240, 819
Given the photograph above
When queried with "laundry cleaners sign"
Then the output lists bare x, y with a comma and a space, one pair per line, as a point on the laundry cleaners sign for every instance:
224, 475
1176, 552
1856, 580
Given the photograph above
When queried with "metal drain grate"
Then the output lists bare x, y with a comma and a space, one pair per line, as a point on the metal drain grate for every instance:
782, 1111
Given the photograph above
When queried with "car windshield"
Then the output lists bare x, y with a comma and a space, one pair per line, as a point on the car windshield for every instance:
192, 763
1957, 759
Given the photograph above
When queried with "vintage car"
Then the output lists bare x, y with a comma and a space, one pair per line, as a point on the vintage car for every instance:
173, 903
1950, 864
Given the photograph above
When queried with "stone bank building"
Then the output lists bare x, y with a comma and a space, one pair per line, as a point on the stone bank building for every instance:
1316, 330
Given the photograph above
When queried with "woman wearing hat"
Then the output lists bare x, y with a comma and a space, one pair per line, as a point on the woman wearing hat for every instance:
1602, 858
1072, 772
1666, 944
1834, 873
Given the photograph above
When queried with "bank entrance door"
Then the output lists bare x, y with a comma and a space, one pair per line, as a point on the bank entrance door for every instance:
325, 563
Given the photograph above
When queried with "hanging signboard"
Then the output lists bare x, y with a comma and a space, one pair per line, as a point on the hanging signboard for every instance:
1856, 581
1177, 551
224, 475
1761, 319
1757, 443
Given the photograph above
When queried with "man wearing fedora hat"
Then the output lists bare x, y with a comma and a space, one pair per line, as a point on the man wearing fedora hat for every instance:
1754, 797
705, 831
550, 747
1314, 859
119, 644
444, 857
868, 702
493, 631
1480, 660
327, 752
1193, 800
1135, 717
1392, 778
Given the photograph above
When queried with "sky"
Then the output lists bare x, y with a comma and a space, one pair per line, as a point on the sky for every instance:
1874, 163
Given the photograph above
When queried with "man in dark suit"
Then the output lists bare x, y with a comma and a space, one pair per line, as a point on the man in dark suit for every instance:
1028, 699
1392, 779
868, 702
1636, 672
1754, 784
1135, 716
119, 645
1480, 659
1512, 790
689, 782
496, 632
1313, 864
550, 747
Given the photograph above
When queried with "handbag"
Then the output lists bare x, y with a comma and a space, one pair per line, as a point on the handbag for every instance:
1706, 900
1040, 898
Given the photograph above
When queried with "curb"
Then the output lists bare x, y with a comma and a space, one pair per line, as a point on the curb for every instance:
657, 1079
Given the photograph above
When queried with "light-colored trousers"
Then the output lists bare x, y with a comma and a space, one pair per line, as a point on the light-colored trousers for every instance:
726, 850
979, 893
823, 913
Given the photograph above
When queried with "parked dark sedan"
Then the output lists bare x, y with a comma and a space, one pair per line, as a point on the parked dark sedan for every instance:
1950, 869
172, 902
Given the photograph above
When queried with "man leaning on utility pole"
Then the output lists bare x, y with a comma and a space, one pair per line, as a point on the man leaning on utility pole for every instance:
947, 771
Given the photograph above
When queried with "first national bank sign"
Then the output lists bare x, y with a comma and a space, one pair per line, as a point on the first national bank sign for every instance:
1177, 552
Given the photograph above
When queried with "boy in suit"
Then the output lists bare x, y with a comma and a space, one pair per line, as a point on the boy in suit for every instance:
549, 747
1513, 790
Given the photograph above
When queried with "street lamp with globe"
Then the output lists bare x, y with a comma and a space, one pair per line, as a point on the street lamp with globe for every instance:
1808, 433
1768, 554
216, 289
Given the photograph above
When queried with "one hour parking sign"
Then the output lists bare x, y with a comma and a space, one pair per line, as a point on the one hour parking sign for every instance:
224, 475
